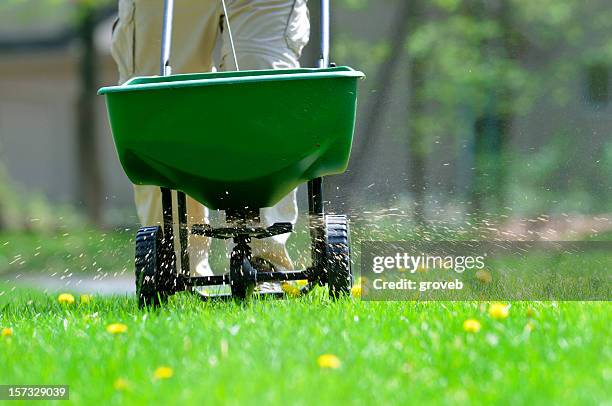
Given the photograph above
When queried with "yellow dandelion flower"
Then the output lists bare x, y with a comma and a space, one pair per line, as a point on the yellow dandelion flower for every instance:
121, 384
484, 276
289, 289
163, 373
529, 327
7, 332
116, 328
531, 312
65, 299
328, 361
422, 269
85, 299
301, 283
499, 311
356, 291
471, 326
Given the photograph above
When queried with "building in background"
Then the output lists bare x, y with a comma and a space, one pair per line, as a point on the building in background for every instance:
40, 88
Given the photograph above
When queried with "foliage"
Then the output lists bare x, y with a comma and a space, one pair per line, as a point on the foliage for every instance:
22, 209
45, 13
505, 59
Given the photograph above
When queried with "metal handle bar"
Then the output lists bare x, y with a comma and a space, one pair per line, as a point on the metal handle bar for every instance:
325, 34
166, 43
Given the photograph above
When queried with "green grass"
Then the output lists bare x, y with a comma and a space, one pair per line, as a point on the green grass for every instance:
81, 251
68, 251
266, 351
573, 271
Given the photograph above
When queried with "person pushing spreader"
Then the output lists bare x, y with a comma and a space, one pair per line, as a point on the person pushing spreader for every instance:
238, 141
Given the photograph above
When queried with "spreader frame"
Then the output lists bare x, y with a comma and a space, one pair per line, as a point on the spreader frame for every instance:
242, 235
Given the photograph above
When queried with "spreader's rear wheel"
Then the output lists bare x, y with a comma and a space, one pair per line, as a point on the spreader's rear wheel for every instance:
155, 274
338, 255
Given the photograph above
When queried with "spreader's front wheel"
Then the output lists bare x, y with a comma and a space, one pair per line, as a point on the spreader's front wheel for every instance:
338, 255
155, 276
242, 273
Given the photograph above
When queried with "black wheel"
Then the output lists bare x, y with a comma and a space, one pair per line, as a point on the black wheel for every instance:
242, 274
338, 255
155, 267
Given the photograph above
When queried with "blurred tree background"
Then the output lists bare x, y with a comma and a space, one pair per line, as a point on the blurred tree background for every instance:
477, 70
485, 108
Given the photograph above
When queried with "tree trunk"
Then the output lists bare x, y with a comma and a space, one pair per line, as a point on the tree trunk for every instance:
89, 175
416, 145
492, 128
416, 137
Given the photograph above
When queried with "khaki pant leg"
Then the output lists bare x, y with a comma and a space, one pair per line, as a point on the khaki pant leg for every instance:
268, 34
136, 47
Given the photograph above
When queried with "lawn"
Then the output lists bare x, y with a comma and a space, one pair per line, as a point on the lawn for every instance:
67, 251
267, 351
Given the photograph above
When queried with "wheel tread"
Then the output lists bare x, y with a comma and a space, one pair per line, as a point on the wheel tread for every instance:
151, 282
339, 275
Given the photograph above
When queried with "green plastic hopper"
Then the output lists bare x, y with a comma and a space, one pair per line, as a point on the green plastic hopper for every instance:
234, 139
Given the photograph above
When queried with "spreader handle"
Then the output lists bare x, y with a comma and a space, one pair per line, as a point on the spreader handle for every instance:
166, 43
325, 14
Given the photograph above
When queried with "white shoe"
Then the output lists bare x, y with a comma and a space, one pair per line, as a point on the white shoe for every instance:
203, 268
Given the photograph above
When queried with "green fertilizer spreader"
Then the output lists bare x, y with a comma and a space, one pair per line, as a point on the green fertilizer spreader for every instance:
236, 141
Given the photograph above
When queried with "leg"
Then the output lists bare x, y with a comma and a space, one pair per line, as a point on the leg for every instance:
136, 48
149, 208
268, 34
